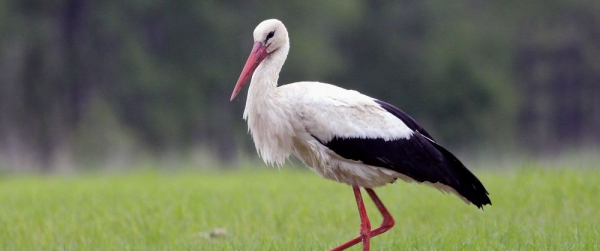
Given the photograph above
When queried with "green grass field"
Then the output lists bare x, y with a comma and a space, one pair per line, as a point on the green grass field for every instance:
291, 209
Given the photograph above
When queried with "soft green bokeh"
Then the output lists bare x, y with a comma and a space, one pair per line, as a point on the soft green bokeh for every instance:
480, 76
534, 209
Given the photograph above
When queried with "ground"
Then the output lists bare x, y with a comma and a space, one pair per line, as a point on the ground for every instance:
292, 209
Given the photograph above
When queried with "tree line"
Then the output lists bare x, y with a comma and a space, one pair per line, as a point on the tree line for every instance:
90, 82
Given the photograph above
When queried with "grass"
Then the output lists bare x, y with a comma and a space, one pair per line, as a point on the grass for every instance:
534, 209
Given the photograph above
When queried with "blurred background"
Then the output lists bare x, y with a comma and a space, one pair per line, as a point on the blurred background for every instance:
115, 84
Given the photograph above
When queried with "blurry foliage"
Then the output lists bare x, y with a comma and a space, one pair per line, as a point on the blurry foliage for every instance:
100, 140
157, 76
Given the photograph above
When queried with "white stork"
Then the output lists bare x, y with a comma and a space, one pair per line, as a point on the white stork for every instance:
342, 134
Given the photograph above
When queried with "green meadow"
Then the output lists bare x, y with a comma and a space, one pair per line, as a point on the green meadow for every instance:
292, 209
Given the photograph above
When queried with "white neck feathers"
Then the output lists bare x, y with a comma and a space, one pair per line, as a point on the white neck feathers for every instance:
264, 79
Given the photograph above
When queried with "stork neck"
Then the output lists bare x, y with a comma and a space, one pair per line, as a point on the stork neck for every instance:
264, 80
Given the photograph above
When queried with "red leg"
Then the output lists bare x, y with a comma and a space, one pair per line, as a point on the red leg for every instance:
388, 221
365, 225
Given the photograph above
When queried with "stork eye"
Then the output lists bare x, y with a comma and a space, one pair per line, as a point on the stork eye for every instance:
271, 34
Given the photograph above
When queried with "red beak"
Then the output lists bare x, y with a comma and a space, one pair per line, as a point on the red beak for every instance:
258, 54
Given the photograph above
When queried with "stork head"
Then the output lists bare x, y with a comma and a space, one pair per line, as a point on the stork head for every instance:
269, 36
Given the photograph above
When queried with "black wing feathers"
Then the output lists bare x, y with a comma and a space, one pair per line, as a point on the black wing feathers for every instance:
417, 157
472, 188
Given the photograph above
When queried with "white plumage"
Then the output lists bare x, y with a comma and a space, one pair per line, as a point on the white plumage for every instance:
299, 112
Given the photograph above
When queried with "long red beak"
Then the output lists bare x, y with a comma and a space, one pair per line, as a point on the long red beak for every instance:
258, 54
